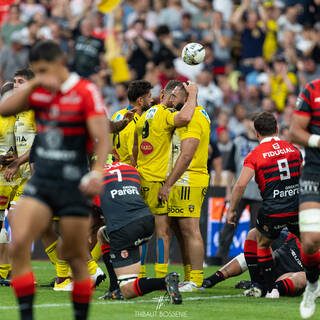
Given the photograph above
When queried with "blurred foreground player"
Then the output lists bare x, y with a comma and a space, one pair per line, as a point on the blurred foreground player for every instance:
129, 224
69, 112
276, 166
305, 130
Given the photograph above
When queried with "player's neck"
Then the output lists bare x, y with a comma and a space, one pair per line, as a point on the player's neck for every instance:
136, 108
260, 138
64, 75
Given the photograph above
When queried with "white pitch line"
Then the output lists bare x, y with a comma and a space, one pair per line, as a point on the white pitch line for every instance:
154, 300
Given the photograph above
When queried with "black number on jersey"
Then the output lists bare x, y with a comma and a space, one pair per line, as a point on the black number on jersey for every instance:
145, 130
116, 140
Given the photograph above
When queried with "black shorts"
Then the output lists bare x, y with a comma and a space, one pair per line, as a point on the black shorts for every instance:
64, 201
125, 242
287, 259
309, 188
270, 227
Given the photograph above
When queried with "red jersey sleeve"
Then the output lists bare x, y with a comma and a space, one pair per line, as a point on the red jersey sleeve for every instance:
94, 104
304, 102
249, 161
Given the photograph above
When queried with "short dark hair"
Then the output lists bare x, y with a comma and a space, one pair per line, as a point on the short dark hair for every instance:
265, 123
24, 73
171, 85
45, 50
6, 87
137, 89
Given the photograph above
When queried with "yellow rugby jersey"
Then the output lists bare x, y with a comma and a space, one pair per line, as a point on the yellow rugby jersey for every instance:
154, 130
7, 144
123, 141
24, 131
199, 127
7, 141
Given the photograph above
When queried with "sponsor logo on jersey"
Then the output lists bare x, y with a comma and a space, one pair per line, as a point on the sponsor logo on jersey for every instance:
175, 210
126, 190
62, 155
205, 114
53, 138
146, 147
271, 154
151, 113
317, 99
42, 97
71, 98
118, 117
124, 254
289, 191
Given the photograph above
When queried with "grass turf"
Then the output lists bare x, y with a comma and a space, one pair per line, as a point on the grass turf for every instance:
221, 302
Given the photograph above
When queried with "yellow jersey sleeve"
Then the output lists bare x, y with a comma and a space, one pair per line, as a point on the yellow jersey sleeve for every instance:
170, 114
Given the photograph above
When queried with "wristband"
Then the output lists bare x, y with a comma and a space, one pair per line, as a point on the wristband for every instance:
313, 141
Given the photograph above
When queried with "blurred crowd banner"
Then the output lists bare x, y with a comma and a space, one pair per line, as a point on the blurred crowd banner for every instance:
217, 209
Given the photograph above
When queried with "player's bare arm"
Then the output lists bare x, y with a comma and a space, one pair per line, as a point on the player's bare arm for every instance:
134, 150
117, 126
188, 149
237, 193
183, 117
14, 166
99, 132
299, 132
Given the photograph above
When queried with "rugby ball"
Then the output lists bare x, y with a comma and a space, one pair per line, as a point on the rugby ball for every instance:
193, 53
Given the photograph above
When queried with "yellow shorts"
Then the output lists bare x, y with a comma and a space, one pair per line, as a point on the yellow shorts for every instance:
7, 194
149, 193
186, 201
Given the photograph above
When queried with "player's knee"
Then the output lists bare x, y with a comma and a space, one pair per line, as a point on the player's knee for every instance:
126, 283
310, 243
252, 234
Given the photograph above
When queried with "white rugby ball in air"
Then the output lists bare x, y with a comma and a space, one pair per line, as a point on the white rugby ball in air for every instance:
193, 53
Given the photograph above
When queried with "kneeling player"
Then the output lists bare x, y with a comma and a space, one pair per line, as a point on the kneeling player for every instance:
289, 273
130, 224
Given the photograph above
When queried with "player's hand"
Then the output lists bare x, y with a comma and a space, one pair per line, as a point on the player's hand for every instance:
164, 192
49, 81
232, 217
91, 183
128, 116
11, 170
191, 87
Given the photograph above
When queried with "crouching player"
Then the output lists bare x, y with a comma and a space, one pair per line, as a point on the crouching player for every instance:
289, 273
129, 225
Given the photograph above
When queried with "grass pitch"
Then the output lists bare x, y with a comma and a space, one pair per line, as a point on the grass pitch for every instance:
222, 302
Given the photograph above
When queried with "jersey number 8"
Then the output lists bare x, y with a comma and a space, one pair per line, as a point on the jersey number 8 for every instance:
284, 169
145, 130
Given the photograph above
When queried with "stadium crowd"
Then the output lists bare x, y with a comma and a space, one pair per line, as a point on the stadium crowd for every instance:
259, 57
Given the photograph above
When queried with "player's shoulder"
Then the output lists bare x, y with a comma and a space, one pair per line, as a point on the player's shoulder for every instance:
201, 114
118, 115
118, 166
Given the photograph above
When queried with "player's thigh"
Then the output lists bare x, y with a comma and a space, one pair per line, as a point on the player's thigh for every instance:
189, 226
132, 269
162, 225
31, 218
149, 193
75, 232
185, 201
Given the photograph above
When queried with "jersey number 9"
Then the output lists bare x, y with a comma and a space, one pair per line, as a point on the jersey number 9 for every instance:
145, 130
284, 169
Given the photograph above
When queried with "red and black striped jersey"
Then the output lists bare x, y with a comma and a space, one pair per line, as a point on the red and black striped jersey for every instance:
121, 201
60, 153
277, 166
308, 105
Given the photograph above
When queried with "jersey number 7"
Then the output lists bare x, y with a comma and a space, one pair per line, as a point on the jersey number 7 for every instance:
118, 172
284, 169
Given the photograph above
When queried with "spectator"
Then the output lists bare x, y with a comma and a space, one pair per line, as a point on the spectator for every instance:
229, 96
210, 96
282, 82
259, 66
140, 48
171, 14
185, 32
203, 18
30, 32
252, 99
169, 73
220, 37
288, 21
237, 120
142, 11
252, 36
29, 8
13, 57
87, 51
215, 165
308, 70
166, 50
99, 28
268, 105
224, 144
13, 24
